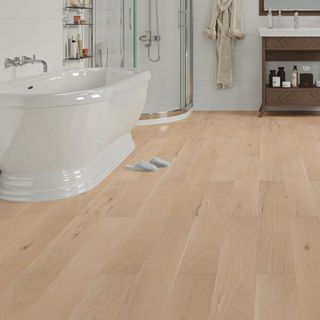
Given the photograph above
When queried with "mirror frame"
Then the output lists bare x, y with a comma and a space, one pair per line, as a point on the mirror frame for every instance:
263, 12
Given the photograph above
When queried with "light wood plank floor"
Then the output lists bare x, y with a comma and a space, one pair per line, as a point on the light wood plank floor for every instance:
230, 232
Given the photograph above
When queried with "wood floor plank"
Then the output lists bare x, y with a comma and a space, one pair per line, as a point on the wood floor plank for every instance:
315, 187
244, 171
66, 244
103, 300
21, 294
298, 188
245, 195
78, 276
163, 199
310, 156
8, 211
274, 253
271, 155
276, 297
204, 246
24, 250
190, 298
129, 255
305, 234
23, 224
194, 187
152, 287
35, 228
309, 147
234, 293
290, 141
242, 140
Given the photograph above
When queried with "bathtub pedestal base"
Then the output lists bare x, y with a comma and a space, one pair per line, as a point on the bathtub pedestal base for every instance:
31, 187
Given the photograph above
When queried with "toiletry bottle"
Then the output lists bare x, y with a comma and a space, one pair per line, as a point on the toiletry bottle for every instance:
280, 19
69, 48
295, 77
73, 48
270, 22
80, 45
272, 74
296, 20
281, 73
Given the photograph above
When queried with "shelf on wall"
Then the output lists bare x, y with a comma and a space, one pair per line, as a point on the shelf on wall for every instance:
77, 59
83, 31
292, 89
77, 24
79, 8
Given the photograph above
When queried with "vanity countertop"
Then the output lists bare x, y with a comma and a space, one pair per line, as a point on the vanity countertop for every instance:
290, 32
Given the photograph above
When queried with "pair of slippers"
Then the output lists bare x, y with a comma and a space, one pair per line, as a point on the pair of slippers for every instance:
152, 166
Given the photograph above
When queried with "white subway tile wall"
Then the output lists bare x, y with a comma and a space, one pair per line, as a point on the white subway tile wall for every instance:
27, 28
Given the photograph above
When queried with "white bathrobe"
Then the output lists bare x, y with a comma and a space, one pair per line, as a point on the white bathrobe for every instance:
225, 25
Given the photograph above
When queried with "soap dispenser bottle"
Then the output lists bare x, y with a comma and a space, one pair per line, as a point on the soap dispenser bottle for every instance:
270, 22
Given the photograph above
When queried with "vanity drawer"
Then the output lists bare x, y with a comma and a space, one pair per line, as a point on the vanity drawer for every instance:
293, 43
293, 97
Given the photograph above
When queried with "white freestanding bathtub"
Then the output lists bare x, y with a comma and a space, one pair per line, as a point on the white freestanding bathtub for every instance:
62, 133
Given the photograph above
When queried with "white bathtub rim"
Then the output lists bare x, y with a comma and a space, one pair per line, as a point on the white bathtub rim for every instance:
70, 98
68, 183
43, 76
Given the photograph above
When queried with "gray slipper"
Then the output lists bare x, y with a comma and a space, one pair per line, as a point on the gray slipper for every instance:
160, 163
143, 166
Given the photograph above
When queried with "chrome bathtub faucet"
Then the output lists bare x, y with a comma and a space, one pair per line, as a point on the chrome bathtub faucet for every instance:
16, 62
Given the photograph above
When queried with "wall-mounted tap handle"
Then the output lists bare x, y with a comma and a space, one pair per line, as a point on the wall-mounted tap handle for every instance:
11, 62
8, 63
21, 61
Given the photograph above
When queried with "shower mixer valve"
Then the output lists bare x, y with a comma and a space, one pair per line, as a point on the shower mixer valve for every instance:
148, 39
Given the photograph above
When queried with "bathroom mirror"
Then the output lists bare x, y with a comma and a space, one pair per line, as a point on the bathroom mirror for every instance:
288, 7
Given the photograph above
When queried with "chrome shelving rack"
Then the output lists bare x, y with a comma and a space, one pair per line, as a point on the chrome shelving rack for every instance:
85, 29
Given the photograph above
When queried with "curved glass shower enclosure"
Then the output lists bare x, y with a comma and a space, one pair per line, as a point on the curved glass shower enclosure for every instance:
156, 35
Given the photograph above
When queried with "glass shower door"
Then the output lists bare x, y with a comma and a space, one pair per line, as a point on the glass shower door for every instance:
115, 33
155, 35
159, 18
